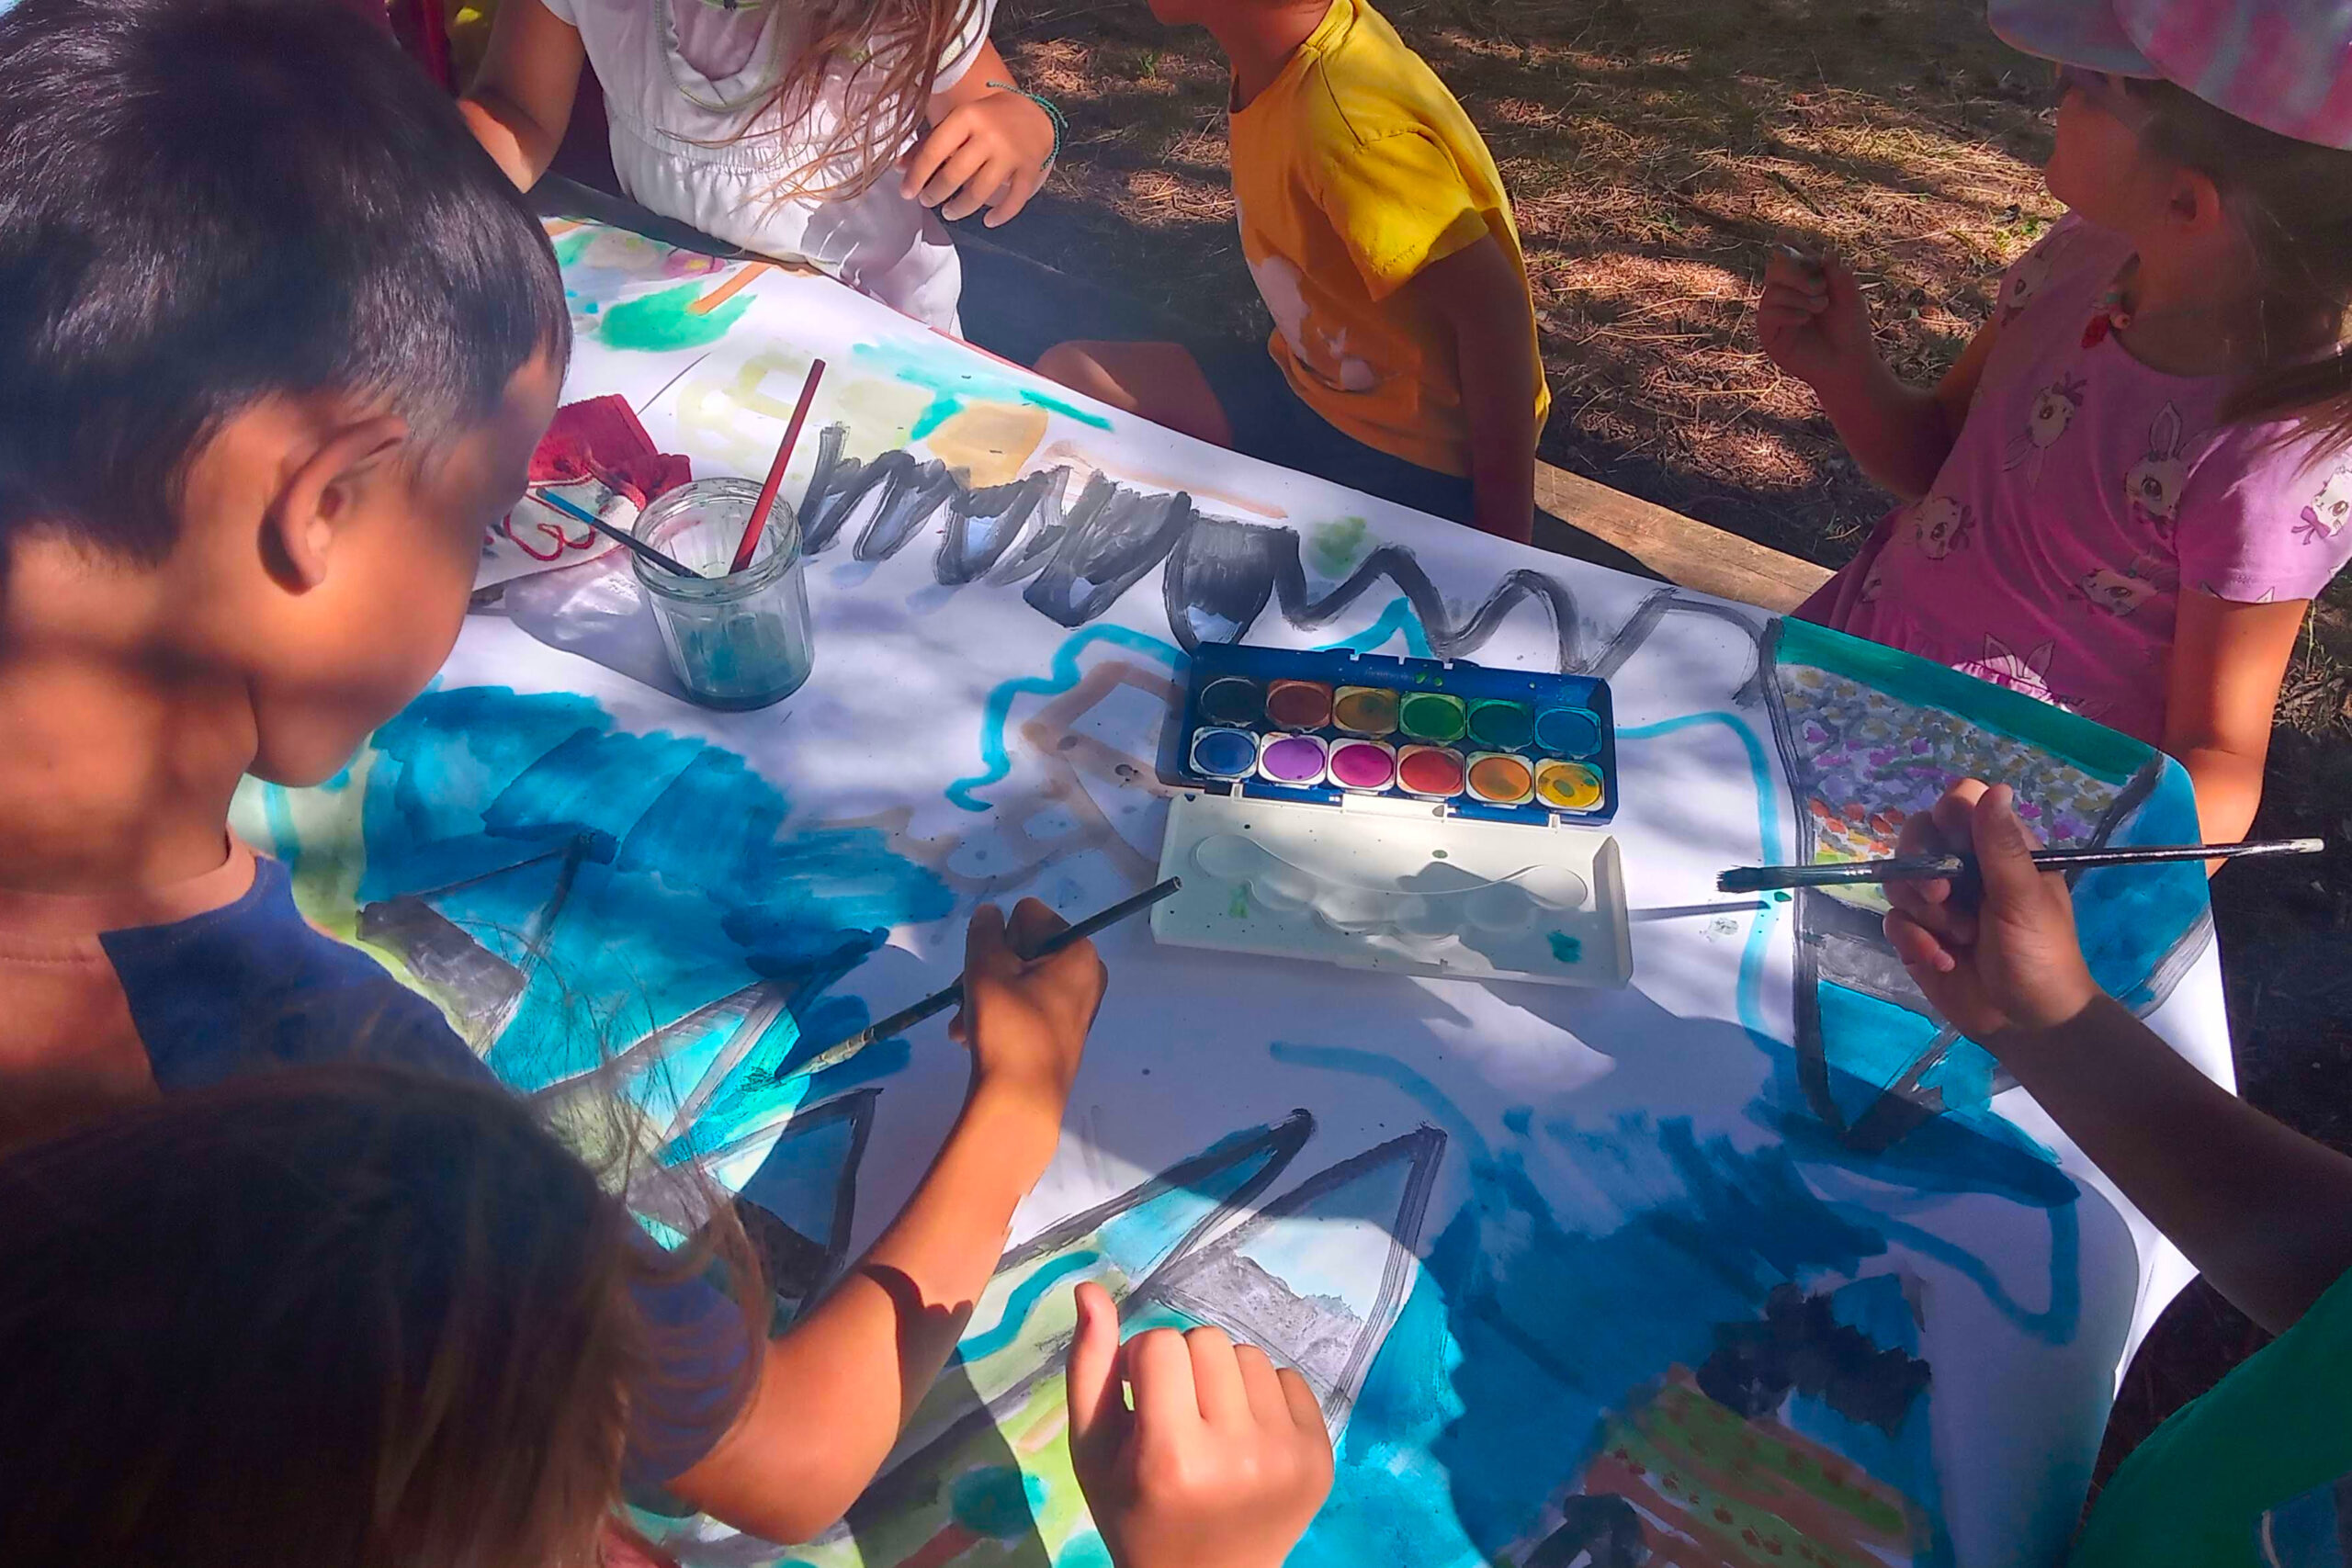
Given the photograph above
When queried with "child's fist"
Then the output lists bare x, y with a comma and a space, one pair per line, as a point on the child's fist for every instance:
1025, 1020
991, 153
2013, 960
1812, 320
1221, 1463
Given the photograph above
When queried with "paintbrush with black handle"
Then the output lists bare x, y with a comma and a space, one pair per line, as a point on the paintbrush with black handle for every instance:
1962, 869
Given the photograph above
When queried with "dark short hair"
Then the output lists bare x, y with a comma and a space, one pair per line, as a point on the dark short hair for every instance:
204, 203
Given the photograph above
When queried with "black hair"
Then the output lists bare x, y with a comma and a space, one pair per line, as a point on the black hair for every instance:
205, 203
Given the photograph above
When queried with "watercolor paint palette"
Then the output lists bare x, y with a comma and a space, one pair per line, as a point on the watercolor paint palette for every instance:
1497, 745
1413, 815
1371, 885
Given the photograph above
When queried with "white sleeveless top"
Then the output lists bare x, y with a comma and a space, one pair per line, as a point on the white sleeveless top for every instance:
683, 80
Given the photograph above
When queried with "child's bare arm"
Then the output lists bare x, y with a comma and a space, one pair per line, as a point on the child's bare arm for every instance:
837, 1387
1815, 324
1480, 295
2258, 1207
520, 103
2227, 661
988, 147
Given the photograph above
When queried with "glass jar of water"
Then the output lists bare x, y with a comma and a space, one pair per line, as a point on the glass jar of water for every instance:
736, 640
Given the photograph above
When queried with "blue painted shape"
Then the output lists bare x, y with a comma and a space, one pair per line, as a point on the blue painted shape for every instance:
800, 1180
997, 1501
754, 1095
997, 711
1489, 1391
1023, 1301
594, 783
1397, 621
2130, 917
1567, 732
1141, 1238
701, 888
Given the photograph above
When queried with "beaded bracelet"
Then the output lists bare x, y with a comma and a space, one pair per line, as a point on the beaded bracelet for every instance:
1061, 126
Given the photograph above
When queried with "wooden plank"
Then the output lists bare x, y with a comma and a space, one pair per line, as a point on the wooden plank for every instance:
1681, 549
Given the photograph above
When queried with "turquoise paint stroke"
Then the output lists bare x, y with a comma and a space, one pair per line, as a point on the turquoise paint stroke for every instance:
1395, 621
1021, 1304
951, 387
1751, 990
1387, 1069
997, 711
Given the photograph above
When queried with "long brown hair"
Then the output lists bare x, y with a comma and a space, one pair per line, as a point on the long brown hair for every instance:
2293, 201
346, 1314
891, 49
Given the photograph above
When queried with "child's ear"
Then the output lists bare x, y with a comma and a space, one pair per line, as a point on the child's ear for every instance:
323, 490
2196, 203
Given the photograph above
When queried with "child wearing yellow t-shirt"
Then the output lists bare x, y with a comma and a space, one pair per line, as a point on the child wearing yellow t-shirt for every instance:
1403, 360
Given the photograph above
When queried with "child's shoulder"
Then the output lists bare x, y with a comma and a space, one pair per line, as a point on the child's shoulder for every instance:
252, 983
1363, 83
2074, 262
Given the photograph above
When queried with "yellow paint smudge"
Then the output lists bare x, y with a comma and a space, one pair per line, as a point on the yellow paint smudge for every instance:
990, 440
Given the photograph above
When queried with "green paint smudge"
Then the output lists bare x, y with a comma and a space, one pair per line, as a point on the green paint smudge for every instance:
655, 323
1336, 546
568, 248
951, 387
1565, 948
1239, 909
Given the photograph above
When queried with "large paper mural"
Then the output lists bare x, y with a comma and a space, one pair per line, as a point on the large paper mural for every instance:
1753, 1263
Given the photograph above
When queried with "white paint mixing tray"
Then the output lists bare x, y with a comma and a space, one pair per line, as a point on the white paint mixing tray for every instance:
1393, 884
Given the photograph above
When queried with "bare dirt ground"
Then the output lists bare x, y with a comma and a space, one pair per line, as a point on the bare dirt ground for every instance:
1656, 149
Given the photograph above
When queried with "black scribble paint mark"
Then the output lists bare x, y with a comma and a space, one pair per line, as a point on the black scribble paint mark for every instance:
1219, 575
1800, 1346
1601, 1530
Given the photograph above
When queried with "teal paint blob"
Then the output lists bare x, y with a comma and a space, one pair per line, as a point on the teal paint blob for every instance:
1565, 948
1084, 1551
569, 249
655, 323
1021, 1304
1568, 732
997, 1501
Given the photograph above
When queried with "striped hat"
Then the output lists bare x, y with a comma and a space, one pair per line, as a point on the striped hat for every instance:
2285, 65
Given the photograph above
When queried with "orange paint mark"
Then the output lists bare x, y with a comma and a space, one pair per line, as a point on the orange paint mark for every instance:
727, 290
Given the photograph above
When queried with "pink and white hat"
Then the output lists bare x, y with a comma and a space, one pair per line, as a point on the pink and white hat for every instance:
2285, 65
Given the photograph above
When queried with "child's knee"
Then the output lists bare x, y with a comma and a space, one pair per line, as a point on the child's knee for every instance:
1077, 364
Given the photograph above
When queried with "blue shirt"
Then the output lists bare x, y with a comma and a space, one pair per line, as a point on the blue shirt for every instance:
249, 986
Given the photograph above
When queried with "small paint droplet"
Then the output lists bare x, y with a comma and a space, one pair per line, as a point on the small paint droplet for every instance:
1779, 896
1565, 948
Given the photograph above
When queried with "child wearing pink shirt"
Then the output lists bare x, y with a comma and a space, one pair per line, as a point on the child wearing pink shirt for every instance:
2125, 494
